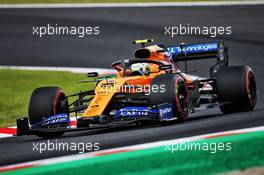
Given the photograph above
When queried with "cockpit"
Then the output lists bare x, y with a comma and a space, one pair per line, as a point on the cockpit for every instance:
140, 67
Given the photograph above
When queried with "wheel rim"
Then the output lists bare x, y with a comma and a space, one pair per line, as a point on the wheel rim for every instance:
251, 88
60, 103
181, 97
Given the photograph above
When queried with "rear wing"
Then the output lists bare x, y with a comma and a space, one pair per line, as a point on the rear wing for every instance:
201, 51
197, 51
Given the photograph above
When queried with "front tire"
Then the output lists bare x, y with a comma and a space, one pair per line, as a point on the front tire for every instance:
45, 102
236, 85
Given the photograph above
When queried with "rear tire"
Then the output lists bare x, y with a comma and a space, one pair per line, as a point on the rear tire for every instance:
236, 85
47, 101
175, 92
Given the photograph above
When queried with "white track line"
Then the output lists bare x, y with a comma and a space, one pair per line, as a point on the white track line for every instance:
101, 71
130, 148
5, 135
154, 4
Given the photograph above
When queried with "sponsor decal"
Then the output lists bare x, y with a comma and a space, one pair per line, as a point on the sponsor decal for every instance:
195, 48
134, 112
165, 111
56, 119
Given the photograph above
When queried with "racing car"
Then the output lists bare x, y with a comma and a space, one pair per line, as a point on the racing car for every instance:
150, 87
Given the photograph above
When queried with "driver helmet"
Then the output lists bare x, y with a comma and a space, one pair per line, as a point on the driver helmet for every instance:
141, 69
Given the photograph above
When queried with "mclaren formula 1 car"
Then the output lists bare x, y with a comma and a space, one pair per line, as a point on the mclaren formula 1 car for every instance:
148, 88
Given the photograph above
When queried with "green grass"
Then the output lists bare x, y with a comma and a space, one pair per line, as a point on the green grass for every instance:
89, 1
16, 87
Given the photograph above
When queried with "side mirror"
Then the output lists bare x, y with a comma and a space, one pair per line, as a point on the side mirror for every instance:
92, 74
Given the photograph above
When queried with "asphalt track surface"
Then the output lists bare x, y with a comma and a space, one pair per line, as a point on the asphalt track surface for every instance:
119, 26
